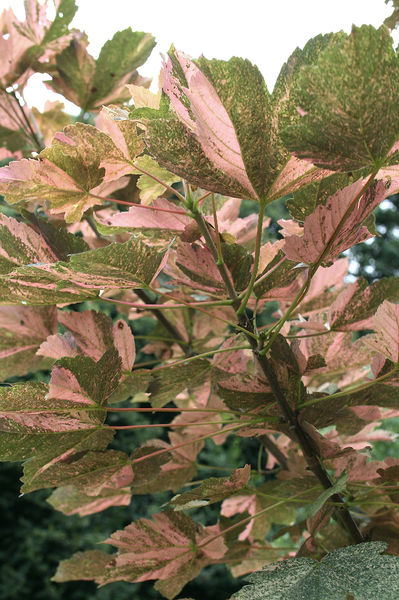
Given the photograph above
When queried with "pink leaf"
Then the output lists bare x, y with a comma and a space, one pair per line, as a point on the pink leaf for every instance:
386, 325
210, 122
319, 239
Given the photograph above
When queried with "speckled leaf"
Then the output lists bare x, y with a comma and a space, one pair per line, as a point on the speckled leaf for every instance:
165, 549
386, 326
146, 221
165, 384
355, 306
197, 263
82, 565
304, 201
359, 572
349, 102
34, 41
149, 188
22, 330
91, 334
320, 226
231, 143
71, 501
21, 245
278, 279
91, 83
93, 473
70, 174
212, 490
127, 265
32, 425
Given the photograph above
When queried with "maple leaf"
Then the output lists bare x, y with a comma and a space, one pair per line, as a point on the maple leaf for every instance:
165, 384
91, 334
22, 330
212, 490
71, 501
341, 574
71, 175
170, 548
355, 306
29, 271
319, 237
91, 83
386, 326
340, 84
229, 143
151, 223
35, 39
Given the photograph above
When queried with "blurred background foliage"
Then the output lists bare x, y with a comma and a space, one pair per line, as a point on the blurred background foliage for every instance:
35, 537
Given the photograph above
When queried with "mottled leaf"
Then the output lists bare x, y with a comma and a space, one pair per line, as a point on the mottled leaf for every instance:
342, 574
44, 281
163, 385
386, 326
171, 548
349, 103
71, 501
330, 230
22, 330
70, 175
355, 306
90, 83
82, 565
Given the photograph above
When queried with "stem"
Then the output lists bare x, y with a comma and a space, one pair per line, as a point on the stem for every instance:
121, 427
169, 306
184, 361
193, 441
354, 390
144, 206
35, 135
167, 325
168, 187
220, 260
188, 304
309, 449
258, 243
271, 447
174, 410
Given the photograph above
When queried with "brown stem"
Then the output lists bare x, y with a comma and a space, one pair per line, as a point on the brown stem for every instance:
310, 451
271, 447
188, 351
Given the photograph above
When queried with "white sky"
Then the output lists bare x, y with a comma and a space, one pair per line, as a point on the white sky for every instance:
265, 31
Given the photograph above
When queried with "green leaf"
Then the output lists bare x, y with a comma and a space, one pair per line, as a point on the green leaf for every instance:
350, 100
358, 572
163, 385
82, 565
212, 490
44, 281
149, 188
66, 10
90, 83
22, 330
93, 473
71, 501
338, 487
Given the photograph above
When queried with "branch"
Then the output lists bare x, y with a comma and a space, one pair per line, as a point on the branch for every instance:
273, 449
310, 451
188, 351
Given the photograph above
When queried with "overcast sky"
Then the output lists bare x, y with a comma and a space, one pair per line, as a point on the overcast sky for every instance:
265, 31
